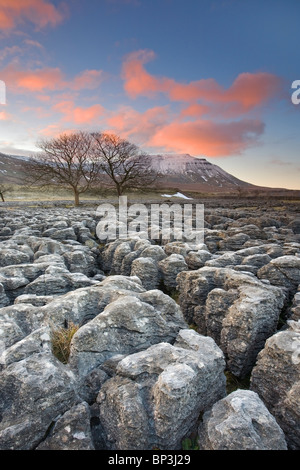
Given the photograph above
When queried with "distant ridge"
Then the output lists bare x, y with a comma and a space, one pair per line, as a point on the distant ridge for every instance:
12, 168
187, 172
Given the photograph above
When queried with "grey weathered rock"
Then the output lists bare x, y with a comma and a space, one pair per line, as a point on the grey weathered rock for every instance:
170, 267
156, 252
257, 260
33, 299
178, 247
197, 259
4, 300
33, 393
295, 308
71, 432
127, 261
234, 242
10, 333
130, 323
239, 311
157, 395
295, 225
217, 305
10, 257
55, 251
57, 283
276, 378
120, 252
84, 304
36, 342
80, 261
89, 386
107, 253
282, 271
240, 421
60, 234
146, 269
229, 258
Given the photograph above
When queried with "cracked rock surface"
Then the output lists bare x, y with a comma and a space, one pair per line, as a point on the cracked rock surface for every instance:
163, 329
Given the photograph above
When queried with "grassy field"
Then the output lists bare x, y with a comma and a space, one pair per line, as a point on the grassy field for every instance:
19, 193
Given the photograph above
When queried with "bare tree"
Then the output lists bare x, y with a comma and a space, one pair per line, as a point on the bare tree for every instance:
4, 189
66, 161
124, 165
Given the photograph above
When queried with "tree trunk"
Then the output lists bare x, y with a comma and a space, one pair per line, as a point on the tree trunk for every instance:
76, 197
2, 197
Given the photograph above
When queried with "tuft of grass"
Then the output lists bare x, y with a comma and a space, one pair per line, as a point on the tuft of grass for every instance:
61, 341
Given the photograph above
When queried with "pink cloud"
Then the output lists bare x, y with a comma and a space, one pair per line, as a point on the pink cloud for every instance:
137, 80
48, 79
249, 90
140, 126
54, 130
195, 110
77, 114
41, 13
208, 137
33, 81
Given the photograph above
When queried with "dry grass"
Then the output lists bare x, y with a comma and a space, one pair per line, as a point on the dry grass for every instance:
61, 341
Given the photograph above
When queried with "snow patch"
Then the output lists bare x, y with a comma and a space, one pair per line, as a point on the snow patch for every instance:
176, 195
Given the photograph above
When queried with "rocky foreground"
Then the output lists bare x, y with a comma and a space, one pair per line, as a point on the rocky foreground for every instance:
161, 330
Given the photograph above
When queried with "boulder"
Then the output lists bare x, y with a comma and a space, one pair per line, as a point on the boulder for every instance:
33, 393
9, 257
282, 271
71, 432
129, 323
236, 309
146, 269
276, 379
36, 342
170, 267
50, 284
197, 259
81, 261
240, 421
156, 396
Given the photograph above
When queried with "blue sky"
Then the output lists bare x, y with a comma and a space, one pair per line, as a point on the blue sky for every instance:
205, 77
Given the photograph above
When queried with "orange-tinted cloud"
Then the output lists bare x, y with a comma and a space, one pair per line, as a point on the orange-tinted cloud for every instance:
202, 137
248, 90
54, 130
33, 81
41, 13
79, 115
195, 110
48, 79
140, 126
137, 80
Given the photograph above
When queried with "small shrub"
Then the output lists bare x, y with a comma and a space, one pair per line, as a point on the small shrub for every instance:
61, 340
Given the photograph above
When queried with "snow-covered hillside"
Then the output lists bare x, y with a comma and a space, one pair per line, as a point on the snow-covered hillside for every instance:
183, 168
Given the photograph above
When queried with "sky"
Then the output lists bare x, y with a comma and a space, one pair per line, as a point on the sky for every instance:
211, 78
